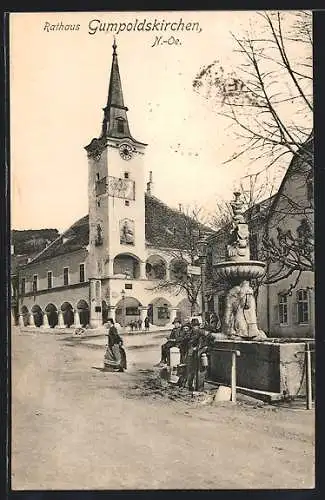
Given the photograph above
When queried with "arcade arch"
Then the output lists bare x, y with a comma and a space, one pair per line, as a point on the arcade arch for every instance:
159, 311
52, 315
155, 267
177, 269
84, 314
126, 265
184, 309
25, 314
127, 310
105, 311
38, 315
68, 317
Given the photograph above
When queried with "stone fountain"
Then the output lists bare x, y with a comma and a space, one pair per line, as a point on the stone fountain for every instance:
267, 367
240, 307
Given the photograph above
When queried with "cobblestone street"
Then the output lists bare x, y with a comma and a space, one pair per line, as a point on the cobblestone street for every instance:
76, 427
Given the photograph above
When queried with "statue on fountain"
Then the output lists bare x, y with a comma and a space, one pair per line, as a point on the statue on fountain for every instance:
240, 313
240, 308
238, 247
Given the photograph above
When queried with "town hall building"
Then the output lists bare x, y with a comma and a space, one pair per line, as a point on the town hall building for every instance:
108, 263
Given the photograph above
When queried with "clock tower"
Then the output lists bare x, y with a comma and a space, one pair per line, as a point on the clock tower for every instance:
116, 187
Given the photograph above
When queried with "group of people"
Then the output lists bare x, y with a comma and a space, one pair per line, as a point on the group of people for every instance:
192, 340
136, 324
189, 337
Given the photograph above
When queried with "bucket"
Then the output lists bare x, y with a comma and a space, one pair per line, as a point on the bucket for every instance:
174, 378
175, 356
223, 393
204, 360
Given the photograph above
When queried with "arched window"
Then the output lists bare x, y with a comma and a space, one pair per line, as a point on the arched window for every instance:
155, 268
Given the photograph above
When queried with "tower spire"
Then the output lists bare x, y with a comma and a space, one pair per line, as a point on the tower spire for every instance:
114, 46
115, 123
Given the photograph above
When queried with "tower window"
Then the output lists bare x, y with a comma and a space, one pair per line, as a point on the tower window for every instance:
97, 177
126, 175
120, 126
98, 203
127, 203
66, 276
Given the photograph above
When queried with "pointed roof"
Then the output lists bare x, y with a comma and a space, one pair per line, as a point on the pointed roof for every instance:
115, 123
115, 94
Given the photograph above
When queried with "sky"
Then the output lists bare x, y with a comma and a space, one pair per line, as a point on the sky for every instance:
58, 87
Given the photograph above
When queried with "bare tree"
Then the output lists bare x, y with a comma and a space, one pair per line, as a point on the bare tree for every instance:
269, 103
253, 190
289, 251
268, 99
180, 278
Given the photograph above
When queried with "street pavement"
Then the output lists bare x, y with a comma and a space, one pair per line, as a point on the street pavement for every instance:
77, 427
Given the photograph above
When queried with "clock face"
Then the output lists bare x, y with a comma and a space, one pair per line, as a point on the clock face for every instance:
126, 151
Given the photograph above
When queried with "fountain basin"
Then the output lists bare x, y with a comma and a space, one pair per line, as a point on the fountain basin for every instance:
274, 366
232, 271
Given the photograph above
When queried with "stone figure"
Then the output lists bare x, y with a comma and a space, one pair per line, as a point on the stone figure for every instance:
127, 232
240, 313
238, 208
99, 238
238, 247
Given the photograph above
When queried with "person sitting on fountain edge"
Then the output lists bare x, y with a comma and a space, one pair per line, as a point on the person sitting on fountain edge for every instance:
174, 340
198, 342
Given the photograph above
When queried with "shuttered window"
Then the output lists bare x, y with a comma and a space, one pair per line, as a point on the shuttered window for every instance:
82, 273
66, 276
283, 309
302, 307
49, 279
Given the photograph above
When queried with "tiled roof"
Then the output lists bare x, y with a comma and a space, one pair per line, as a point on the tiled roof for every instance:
164, 227
75, 238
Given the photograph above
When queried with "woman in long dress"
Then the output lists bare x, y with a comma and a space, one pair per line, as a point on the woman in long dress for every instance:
115, 357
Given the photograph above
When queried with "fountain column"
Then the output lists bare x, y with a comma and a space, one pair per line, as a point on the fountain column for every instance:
240, 308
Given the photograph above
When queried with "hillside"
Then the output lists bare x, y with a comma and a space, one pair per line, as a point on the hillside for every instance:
32, 241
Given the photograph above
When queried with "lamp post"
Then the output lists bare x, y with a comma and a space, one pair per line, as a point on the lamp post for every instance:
202, 253
123, 310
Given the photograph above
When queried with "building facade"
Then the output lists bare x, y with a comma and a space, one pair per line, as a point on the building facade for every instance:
108, 263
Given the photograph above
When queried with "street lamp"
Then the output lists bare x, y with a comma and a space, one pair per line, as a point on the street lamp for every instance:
202, 253
123, 310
